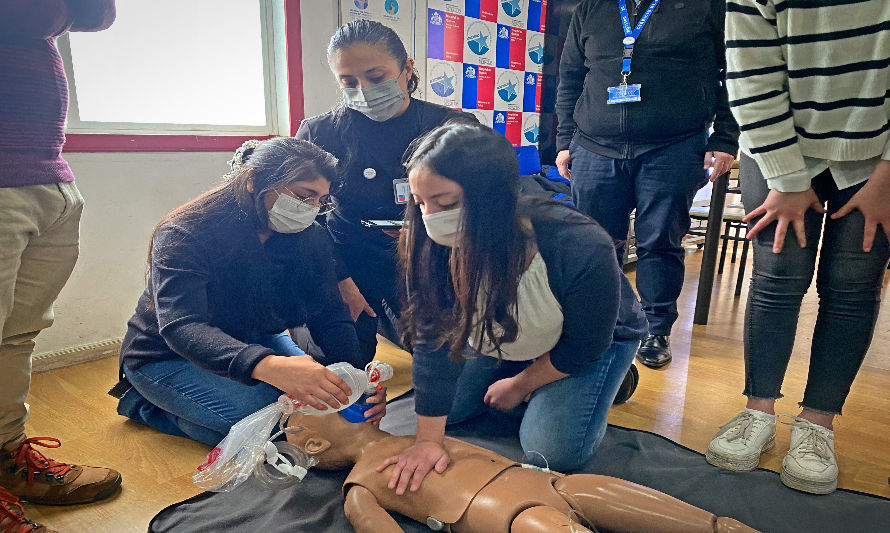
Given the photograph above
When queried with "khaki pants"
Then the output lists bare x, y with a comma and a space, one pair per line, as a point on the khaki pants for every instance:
39, 235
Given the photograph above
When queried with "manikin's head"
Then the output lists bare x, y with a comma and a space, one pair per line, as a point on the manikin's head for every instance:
330, 438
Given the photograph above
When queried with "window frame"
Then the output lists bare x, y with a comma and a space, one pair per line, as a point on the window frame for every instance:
283, 89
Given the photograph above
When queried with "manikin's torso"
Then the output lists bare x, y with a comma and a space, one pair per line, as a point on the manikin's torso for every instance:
470, 494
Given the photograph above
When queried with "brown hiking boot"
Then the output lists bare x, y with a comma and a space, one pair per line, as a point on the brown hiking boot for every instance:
12, 516
31, 476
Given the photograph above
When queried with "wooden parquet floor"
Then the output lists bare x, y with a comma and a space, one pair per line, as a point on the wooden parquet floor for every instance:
686, 402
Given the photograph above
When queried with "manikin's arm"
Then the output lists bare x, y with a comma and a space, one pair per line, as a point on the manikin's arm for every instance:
365, 514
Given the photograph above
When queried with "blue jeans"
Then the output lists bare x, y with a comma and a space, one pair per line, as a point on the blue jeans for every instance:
179, 398
565, 420
660, 185
848, 282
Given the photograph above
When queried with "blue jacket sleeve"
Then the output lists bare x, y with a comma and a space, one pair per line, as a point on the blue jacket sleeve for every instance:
180, 275
435, 379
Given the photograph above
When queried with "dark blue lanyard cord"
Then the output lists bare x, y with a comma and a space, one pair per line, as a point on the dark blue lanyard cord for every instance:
632, 34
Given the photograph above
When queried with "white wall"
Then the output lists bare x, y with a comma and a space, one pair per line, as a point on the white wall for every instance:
320, 90
126, 194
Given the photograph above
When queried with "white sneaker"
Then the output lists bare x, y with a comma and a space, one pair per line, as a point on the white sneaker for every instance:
739, 443
811, 464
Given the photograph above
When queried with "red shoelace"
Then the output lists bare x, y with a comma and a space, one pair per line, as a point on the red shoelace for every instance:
36, 463
10, 520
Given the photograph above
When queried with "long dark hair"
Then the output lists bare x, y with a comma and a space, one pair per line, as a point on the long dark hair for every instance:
272, 164
453, 291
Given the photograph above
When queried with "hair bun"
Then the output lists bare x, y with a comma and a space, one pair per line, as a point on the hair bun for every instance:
242, 154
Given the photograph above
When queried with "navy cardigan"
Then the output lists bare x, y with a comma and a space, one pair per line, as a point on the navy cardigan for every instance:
214, 286
598, 304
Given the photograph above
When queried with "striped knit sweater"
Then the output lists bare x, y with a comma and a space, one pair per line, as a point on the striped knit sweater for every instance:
33, 89
809, 78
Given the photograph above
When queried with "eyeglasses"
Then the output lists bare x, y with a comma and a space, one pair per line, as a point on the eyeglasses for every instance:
324, 203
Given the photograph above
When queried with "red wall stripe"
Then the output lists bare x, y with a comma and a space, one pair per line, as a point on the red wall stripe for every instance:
294, 47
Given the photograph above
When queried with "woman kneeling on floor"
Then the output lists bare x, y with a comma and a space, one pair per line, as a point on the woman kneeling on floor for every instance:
508, 299
229, 272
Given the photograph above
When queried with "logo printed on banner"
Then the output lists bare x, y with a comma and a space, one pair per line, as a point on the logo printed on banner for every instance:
478, 87
502, 55
531, 129
513, 13
508, 87
535, 43
508, 90
512, 8
479, 38
391, 6
509, 124
442, 80
361, 4
435, 47
531, 102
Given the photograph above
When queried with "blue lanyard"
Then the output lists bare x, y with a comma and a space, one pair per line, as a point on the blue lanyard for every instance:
631, 35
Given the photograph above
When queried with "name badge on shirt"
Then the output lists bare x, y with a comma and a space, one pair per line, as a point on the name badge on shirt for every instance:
623, 94
401, 190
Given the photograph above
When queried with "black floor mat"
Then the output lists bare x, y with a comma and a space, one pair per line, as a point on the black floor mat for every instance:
756, 498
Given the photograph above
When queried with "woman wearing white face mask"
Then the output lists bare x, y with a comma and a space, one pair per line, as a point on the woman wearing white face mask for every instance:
507, 299
228, 273
369, 133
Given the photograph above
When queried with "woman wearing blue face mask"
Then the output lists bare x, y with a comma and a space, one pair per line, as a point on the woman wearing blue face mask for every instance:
369, 133
229, 272
508, 299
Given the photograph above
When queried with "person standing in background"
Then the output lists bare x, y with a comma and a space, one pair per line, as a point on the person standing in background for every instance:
39, 235
809, 86
369, 133
641, 83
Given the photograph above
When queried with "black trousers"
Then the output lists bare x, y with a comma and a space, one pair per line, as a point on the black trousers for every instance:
374, 269
848, 282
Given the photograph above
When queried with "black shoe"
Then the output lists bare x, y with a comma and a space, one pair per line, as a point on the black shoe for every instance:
628, 386
655, 352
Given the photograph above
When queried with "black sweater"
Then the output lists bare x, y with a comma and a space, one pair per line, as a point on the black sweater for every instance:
680, 61
214, 286
598, 304
361, 143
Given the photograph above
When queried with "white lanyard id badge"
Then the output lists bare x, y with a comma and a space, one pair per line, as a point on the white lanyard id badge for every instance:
401, 190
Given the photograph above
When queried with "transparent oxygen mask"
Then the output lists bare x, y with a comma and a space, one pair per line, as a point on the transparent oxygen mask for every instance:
250, 447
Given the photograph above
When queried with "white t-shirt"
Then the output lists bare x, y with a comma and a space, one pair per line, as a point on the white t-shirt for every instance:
539, 316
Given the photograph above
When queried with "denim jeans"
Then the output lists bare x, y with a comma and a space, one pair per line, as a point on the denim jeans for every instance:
565, 420
848, 283
660, 185
179, 398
